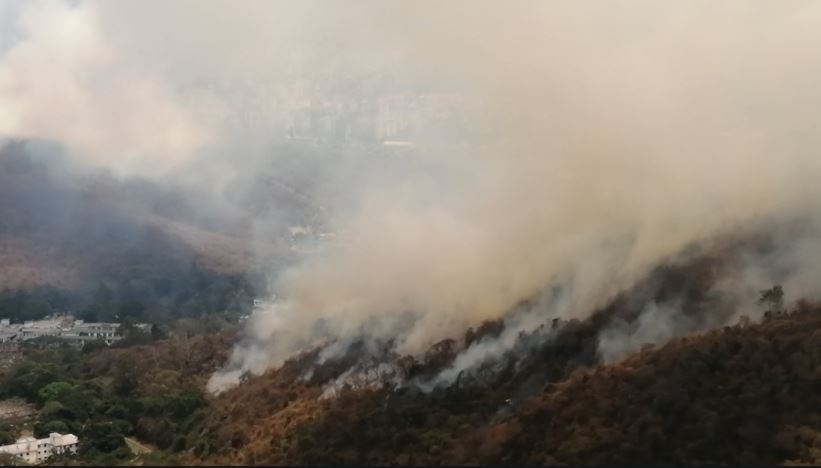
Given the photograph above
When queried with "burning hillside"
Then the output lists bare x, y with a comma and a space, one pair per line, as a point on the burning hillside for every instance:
740, 394
471, 206
704, 286
682, 353
605, 144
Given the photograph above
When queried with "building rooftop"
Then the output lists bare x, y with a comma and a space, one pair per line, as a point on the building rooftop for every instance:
59, 440
37, 449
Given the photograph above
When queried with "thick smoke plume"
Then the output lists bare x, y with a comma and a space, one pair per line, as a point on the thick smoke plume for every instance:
613, 137
596, 141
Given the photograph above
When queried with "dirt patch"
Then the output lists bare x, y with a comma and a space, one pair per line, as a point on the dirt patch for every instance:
16, 408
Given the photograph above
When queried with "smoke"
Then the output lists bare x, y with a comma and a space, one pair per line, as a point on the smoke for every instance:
657, 324
595, 140
618, 134
63, 81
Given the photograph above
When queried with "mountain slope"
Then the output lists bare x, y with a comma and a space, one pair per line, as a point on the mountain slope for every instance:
66, 229
746, 394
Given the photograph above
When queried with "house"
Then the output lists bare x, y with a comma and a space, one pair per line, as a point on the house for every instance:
62, 326
34, 451
90, 331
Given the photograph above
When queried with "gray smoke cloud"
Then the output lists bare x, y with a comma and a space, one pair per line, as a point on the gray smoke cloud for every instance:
619, 134
656, 325
596, 140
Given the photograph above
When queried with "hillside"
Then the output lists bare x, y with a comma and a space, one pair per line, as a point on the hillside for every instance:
110, 248
67, 229
588, 391
746, 394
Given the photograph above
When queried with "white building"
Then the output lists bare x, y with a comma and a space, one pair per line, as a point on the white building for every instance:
38, 328
39, 450
63, 326
89, 331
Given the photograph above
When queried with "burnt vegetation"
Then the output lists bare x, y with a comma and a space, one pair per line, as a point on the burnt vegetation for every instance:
742, 394
748, 393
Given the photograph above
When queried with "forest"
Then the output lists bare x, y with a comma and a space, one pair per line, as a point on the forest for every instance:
140, 298
110, 249
748, 394
154, 392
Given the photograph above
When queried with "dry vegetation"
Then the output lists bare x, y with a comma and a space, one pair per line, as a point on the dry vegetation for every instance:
70, 230
25, 265
219, 252
746, 394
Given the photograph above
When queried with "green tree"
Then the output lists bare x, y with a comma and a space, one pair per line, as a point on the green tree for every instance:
55, 390
101, 436
42, 430
6, 437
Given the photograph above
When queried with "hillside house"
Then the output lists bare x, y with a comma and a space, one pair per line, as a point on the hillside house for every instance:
36, 451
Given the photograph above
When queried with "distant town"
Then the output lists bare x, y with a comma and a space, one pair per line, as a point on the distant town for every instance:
376, 113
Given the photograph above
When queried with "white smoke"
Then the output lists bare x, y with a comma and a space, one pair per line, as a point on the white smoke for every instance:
64, 81
620, 134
